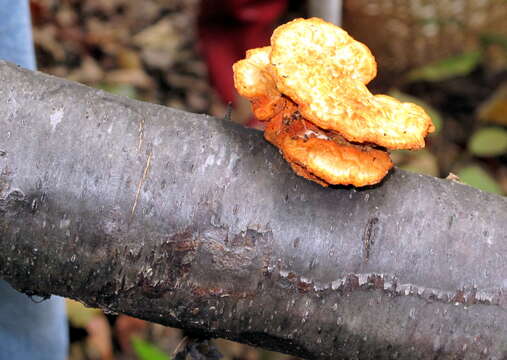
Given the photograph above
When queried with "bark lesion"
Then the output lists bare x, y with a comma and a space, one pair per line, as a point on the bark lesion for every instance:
141, 182
369, 235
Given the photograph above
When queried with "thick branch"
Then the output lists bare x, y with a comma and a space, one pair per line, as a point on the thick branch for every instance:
193, 222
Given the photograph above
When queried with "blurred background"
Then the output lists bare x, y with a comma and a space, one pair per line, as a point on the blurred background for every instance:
449, 56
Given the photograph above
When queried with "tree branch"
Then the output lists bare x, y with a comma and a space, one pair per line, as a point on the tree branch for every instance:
197, 223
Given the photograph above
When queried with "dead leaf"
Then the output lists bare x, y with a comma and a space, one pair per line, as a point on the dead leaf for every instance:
494, 109
128, 59
89, 72
99, 342
80, 315
136, 77
46, 37
125, 328
159, 44
453, 177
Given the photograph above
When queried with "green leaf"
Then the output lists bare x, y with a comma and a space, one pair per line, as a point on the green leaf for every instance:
475, 176
490, 141
432, 112
146, 351
422, 162
80, 315
494, 108
451, 67
120, 89
494, 39
441, 21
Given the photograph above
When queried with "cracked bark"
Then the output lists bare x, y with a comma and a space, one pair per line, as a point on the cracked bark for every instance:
196, 223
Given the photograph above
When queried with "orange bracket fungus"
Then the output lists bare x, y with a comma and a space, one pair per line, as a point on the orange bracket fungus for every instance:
310, 88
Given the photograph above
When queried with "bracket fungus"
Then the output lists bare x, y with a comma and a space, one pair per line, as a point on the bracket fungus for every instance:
310, 88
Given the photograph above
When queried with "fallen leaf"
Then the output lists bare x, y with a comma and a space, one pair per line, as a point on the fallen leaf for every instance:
146, 351
125, 328
88, 72
159, 44
494, 109
119, 89
488, 39
128, 59
490, 141
46, 37
422, 162
80, 315
477, 177
459, 65
453, 177
99, 339
134, 77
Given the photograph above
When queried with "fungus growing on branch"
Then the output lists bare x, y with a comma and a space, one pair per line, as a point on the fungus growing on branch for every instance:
310, 88
324, 156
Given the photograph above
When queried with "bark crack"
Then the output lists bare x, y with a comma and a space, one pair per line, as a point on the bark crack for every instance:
141, 134
390, 284
140, 184
369, 237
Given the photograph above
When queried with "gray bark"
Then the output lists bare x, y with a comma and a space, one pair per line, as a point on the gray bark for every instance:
197, 223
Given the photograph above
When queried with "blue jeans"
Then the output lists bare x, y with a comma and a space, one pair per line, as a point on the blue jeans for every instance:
28, 330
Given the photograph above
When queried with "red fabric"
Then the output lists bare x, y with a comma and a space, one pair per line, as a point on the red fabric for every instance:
227, 28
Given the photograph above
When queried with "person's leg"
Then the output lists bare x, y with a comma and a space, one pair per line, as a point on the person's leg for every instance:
16, 33
28, 331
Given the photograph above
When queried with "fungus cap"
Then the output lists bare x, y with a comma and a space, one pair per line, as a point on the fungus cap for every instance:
324, 70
